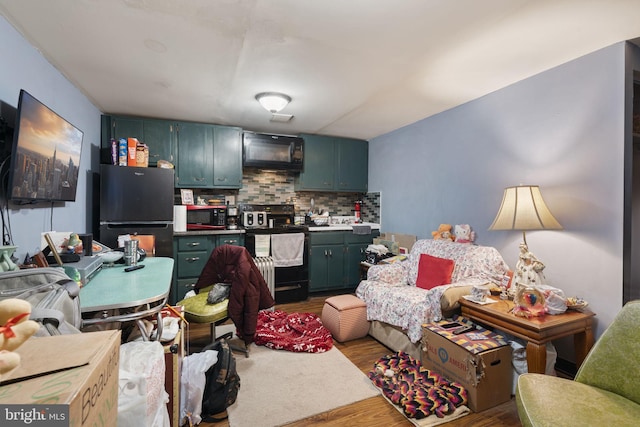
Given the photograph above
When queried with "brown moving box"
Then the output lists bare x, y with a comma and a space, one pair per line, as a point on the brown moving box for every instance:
480, 360
173, 355
77, 373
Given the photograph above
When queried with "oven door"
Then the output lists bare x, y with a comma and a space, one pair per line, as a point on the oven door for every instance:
291, 283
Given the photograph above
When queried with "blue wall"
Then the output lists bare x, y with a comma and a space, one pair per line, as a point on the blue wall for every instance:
23, 67
563, 130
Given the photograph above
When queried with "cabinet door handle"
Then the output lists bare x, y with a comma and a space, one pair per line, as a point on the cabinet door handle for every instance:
325, 253
330, 253
192, 244
192, 259
198, 179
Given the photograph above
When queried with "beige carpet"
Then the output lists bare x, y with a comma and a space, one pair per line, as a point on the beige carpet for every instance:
279, 387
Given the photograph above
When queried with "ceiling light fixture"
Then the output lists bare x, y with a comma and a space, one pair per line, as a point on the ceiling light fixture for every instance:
273, 101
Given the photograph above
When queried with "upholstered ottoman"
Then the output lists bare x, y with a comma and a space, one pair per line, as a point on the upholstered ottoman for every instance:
346, 317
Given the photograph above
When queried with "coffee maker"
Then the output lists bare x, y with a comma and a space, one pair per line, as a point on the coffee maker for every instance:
232, 217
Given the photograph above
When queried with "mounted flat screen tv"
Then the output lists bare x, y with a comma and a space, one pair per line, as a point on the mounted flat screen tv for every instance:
45, 156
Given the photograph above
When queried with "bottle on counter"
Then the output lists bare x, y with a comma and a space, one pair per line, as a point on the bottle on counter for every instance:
358, 212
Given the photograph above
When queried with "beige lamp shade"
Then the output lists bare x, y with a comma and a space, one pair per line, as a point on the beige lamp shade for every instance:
523, 208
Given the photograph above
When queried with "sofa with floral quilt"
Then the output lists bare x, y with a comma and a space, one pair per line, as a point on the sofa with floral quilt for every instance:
424, 288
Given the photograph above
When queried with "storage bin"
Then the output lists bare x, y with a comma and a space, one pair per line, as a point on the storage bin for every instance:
346, 317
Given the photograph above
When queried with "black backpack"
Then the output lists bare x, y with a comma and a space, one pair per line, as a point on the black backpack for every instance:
223, 382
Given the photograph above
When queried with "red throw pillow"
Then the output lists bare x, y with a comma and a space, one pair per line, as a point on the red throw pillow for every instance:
434, 271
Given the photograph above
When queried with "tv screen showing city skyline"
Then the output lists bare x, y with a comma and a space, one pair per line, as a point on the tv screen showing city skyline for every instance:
46, 154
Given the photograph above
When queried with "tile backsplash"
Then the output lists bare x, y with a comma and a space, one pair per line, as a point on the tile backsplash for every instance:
277, 187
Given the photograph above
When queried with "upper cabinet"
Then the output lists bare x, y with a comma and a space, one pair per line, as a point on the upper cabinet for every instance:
334, 164
227, 157
209, 156
194, 166
159, 135
204, 155
352, 160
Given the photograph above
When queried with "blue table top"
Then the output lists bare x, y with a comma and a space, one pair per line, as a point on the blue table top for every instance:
114, 288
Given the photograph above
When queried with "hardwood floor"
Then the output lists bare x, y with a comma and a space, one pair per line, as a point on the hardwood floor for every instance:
373, 412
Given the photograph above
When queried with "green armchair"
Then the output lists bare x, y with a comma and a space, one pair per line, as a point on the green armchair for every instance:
606, 390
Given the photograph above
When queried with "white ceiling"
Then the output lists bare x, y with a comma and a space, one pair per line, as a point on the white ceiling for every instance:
357, 68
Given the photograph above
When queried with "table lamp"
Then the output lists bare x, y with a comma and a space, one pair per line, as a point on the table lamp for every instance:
523, 208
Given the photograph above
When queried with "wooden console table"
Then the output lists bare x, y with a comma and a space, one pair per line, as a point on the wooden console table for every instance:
537, 331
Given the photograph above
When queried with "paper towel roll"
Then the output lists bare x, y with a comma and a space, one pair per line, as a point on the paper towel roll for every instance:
180, 218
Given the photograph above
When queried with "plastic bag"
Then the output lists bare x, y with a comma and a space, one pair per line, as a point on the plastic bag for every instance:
519, 359
141, 382
554, 298
192, 382
218, 293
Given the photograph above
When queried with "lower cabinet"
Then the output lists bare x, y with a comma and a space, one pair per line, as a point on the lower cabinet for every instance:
191, 253
334, 259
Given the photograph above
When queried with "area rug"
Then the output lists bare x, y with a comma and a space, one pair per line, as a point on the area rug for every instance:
278, 387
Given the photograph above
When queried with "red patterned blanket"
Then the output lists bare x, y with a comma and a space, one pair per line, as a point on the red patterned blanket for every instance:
298, 332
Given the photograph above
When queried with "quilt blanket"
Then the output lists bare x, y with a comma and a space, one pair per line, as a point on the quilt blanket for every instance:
297, 332
417, 390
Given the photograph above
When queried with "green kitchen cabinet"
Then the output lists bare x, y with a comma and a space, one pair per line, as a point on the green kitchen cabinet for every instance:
334, 164
194, 166
191, 253
227, 157
319, 164
209, 156
352, 170
158, 135
356, 247
334, 259
230, 239
326, 261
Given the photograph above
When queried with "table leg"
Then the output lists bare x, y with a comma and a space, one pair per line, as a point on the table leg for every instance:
536, 357
143, 329
582, 343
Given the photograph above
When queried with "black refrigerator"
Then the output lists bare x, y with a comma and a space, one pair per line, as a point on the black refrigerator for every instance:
137, 201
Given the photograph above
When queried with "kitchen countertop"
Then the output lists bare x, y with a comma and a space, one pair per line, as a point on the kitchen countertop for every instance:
207, 232
342, 227
312, 228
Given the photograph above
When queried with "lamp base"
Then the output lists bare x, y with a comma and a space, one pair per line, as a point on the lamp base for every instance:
529, 269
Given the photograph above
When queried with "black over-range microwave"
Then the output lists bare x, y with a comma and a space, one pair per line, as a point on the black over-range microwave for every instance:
265, 151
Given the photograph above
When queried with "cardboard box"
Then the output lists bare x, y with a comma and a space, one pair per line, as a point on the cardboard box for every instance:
65, 380
480, 360
132, 145
173, 355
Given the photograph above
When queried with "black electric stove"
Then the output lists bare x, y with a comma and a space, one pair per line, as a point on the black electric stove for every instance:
291, 283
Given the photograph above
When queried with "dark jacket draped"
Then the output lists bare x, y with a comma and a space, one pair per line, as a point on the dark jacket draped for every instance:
249, 292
